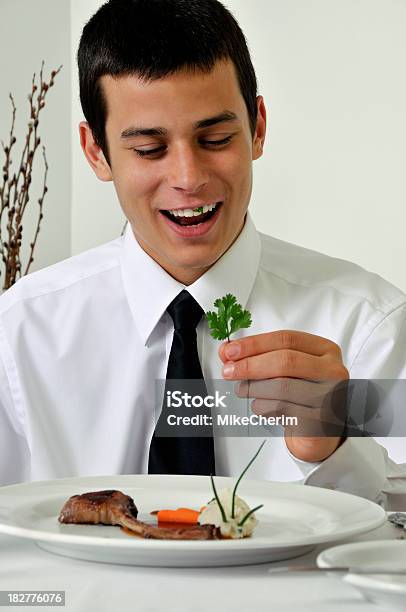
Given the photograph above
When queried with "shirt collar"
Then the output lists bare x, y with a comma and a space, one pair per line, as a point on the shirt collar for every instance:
150, 289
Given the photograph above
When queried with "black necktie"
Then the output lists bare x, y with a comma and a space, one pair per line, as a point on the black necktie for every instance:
183, 455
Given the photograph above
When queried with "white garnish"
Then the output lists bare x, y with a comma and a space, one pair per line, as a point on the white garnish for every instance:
211, 515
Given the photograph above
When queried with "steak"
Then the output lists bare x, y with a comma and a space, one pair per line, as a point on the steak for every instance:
112, 507
107, 507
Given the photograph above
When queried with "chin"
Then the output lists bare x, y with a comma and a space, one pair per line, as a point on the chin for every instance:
194, 266
196, 262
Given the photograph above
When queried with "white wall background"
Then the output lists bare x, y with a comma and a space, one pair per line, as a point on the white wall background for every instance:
332, 177
96, 213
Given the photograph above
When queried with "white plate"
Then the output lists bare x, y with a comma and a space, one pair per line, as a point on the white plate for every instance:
293, 520
386, 590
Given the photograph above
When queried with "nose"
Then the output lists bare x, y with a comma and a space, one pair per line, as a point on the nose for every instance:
187, 172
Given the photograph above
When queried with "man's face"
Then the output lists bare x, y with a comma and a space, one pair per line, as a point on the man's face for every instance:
182, 164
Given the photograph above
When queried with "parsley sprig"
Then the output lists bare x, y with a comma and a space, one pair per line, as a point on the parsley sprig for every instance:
229, 318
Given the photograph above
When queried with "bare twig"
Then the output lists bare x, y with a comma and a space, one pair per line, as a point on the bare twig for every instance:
40, 216
14, 192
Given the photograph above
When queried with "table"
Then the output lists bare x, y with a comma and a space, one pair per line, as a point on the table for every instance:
92, 587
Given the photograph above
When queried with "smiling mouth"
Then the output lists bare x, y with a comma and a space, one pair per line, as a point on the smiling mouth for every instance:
196, 220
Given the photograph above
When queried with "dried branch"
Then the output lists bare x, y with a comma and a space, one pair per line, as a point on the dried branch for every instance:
40, 215
15, 190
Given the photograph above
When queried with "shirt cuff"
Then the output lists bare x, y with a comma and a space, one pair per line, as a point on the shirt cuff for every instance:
357, 466
304, 466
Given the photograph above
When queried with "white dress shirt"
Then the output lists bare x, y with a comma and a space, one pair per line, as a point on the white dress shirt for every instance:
83, 341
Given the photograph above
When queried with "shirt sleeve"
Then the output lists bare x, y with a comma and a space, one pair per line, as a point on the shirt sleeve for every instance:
361, 465
14, 447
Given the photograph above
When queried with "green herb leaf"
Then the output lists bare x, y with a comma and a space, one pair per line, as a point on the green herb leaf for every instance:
229, 318
241, 523
223, 514
241, 475
217, 325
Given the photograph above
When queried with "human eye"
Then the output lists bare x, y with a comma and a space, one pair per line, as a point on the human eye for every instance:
218, 142
161, 149
148, 152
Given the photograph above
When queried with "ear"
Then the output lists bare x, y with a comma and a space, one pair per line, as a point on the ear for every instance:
93, 153
259, 136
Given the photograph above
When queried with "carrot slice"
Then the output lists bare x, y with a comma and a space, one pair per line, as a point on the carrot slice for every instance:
181, 515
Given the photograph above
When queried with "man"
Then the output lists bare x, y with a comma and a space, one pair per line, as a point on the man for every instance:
169, 94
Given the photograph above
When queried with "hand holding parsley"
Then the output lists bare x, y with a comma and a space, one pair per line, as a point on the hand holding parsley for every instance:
229, 318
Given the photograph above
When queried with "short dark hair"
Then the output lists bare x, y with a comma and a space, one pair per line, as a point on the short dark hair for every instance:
156, 38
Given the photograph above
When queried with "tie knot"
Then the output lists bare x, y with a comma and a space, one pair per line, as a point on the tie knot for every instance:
185, 311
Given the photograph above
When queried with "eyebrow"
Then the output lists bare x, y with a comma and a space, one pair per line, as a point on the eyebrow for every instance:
132, 132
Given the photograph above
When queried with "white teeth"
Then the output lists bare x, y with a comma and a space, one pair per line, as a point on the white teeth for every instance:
190, 212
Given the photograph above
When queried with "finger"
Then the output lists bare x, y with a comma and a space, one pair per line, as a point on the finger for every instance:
275, 408
302, 420
285, 363
275, 341
293, 390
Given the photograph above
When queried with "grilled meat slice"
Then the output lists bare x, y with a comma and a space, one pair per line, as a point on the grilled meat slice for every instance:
106, 507
194, 532
114, 508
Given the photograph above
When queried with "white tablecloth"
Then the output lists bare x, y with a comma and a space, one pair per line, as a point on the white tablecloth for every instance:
98, 587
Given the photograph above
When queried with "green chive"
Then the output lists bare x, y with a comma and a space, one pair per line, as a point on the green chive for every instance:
223, 514
199, 210
242, 474
241, 523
